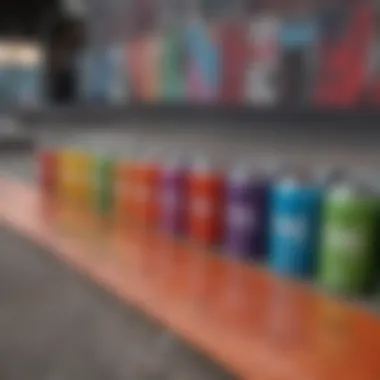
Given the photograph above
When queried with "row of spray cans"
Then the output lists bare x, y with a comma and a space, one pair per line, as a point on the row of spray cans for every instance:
300, 225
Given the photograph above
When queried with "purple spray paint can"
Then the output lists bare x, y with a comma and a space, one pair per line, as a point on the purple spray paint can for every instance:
173, 197
246, 214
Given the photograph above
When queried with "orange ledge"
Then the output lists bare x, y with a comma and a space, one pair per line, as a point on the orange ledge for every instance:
256, 326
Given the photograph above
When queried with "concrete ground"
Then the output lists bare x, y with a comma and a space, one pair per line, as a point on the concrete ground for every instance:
55, 325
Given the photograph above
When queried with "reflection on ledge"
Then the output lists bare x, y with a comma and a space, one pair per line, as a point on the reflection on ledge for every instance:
229, 116
252, 323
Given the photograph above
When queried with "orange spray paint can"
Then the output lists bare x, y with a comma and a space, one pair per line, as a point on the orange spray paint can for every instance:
146, 178
206, 203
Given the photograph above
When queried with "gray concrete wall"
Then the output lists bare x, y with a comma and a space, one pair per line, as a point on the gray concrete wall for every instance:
308, 146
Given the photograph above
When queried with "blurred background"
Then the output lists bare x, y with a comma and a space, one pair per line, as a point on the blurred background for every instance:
259, 53
254, 54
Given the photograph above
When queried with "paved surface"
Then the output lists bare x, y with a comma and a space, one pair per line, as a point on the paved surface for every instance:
54, 325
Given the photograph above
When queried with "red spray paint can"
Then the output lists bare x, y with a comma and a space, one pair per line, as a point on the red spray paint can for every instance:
48, 172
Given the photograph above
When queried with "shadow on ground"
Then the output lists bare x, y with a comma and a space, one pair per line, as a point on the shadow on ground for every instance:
54, 325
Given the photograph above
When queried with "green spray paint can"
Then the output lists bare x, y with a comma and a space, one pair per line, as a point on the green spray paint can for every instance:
104, 173
348, 239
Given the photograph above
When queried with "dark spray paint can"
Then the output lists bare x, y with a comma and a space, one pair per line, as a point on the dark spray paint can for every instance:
246, 214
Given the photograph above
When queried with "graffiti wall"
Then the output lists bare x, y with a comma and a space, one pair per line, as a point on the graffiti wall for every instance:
255, 53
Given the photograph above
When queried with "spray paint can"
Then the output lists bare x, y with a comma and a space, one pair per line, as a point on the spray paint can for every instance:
348, 239
146, 175
104, 181
246, 213
294, 226
84, 184
206, 203
123, 191
76, 175
67, 175
173, 197
48, 171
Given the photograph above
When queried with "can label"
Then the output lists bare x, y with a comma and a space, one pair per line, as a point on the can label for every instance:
205, 208
241, 217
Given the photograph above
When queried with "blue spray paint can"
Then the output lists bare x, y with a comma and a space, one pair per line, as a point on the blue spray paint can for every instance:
294, 227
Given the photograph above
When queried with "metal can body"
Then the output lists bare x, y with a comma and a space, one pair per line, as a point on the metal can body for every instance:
205, 207
246, 215
48, 172
294, 227
123, 191
104, 182
146, 193
67, 182
173, 199
84, 179
347, 254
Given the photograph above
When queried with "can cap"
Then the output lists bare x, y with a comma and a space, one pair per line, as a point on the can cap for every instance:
295, 178
342, 191
243, 173
173, 163
325, 175
274, 166
148, 156
203, 165
367, 180
289, 183
346, 190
